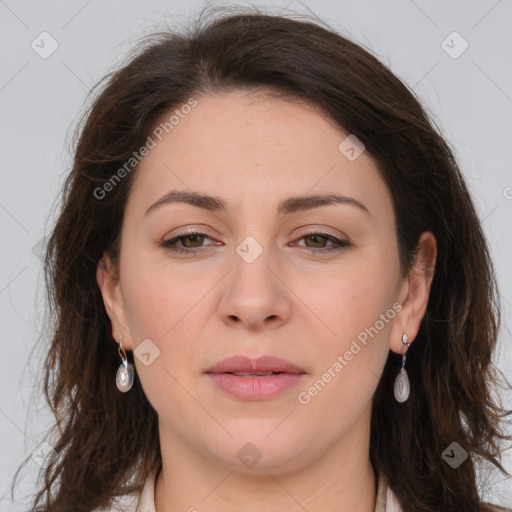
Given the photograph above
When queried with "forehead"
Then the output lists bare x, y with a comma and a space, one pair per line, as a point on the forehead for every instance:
256, 146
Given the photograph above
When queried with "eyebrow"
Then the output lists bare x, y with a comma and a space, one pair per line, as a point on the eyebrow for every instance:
287, 206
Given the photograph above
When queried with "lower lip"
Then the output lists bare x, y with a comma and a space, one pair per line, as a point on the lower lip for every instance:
255, 388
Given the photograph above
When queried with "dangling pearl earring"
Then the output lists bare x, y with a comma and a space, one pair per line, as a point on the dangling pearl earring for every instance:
125, 373
402, 385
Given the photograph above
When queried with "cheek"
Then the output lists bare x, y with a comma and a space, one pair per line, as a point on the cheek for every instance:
167, 307
159, 299
169, 304
357, 313
348, 365
351, 300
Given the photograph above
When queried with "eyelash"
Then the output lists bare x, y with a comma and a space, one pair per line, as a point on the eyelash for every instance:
339, 244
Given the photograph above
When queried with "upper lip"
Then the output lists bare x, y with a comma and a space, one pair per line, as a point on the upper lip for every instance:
243, 364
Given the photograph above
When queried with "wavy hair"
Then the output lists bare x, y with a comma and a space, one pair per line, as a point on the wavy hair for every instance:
107, 442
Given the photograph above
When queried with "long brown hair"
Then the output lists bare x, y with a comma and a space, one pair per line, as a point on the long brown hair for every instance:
108, 442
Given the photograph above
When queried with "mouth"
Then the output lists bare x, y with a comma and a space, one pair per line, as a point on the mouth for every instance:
254, 379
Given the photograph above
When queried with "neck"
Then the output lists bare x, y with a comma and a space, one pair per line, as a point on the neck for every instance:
340, 480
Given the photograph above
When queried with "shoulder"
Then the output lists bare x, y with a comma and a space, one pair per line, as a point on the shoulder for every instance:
392, 504
143, 501
388, 502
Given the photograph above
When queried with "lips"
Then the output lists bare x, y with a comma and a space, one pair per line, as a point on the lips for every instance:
254, 379
264, 365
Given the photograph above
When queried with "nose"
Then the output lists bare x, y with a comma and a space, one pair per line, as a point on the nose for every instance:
255, 295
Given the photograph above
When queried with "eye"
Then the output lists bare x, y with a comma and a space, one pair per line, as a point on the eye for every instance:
190, 240
319, 240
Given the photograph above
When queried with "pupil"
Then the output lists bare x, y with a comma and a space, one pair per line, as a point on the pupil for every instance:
194, 238
317, 237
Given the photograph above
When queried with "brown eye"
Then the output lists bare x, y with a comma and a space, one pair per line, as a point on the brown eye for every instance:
189, 242
196, 240
316, 243
318, 240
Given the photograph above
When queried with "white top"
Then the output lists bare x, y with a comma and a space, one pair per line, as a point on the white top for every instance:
145, 500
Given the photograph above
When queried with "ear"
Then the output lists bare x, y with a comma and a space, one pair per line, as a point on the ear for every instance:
107, 277
414, 293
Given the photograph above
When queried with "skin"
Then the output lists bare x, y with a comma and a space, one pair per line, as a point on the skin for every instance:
254, 150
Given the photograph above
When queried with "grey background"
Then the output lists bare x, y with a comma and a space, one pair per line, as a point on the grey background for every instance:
470, 98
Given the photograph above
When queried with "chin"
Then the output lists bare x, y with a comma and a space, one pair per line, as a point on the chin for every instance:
260, 447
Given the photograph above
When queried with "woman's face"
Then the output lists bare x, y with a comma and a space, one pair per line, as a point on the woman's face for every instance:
263, 278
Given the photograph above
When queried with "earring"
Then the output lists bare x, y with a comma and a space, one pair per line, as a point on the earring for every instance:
125, 373
402, 385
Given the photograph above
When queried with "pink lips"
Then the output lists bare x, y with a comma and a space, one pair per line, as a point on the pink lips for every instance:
255, 379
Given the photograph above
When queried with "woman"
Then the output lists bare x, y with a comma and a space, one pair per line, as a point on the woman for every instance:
271, 287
